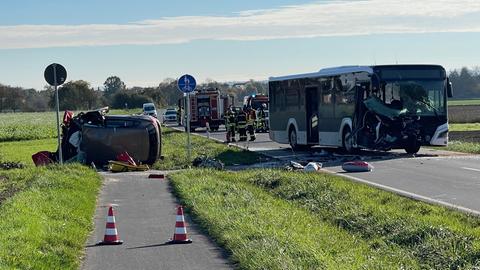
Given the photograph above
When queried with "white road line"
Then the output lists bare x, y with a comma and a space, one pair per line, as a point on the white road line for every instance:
408, 194
471, 169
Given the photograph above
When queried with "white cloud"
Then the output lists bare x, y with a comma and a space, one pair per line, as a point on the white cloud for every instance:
334, 18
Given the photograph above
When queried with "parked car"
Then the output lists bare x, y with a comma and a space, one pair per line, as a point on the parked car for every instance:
149, 109
170, 115
96, 137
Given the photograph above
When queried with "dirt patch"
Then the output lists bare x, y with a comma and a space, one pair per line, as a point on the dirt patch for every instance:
465, 136
8, 190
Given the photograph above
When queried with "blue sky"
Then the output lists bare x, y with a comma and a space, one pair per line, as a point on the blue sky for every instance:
144, 42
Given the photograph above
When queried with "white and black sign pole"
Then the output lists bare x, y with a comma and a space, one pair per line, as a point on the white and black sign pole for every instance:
57, 104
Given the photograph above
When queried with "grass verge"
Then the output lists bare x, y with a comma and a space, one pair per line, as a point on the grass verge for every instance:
46, 216
464, 147
362, 226
174, 151
464, 127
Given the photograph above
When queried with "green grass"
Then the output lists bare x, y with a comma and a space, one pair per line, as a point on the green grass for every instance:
46, 216
464, 127
34, 126
175, 153
464, 147
27, 126
457, 102
362, 227
22, 151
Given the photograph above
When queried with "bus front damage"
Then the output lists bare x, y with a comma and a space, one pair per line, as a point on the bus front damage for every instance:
398, 112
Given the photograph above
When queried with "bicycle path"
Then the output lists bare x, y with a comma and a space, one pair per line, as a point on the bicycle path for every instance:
145, 220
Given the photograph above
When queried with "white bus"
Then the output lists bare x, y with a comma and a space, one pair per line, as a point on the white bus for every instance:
373, 107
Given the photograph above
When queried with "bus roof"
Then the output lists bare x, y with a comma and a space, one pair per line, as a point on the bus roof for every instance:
325, 72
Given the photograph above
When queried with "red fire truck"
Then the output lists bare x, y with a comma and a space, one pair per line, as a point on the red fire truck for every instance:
206, 106
255, 101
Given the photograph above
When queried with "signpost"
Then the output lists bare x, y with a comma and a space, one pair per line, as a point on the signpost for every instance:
55, 75
187, 85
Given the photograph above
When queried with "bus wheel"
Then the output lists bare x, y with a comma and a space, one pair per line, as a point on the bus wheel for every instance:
347, 140
292, 139
413, 147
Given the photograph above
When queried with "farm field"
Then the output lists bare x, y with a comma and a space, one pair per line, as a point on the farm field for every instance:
456, 102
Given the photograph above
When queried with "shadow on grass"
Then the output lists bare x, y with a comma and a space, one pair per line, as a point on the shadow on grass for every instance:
232, 157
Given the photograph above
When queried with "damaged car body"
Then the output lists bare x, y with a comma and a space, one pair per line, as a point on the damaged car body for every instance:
95, 137
372, 107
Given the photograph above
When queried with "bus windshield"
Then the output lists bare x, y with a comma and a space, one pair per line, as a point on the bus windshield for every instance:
417, 97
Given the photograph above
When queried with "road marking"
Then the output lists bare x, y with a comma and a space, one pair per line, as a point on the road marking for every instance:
471, 169
407, 194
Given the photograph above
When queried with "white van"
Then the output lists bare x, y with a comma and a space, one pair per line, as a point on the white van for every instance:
149, 109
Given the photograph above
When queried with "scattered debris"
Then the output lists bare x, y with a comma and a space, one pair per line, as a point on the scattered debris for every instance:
296, 165
11, 165
125, 163
312, 167
357, 166
207, 162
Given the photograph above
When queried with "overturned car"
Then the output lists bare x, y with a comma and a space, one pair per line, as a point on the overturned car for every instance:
96, 137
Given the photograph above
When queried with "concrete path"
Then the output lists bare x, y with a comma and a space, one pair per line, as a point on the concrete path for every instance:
145, 219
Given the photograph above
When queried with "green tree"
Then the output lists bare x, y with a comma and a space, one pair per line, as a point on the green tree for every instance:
113, 85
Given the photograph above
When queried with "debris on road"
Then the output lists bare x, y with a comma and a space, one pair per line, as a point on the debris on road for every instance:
357, 166
207, 162
125, 163
312, 167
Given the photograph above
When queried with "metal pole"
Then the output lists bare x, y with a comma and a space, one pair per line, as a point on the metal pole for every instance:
60, 156
189, 154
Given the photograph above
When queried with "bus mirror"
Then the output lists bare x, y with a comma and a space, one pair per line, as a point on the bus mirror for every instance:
449, 88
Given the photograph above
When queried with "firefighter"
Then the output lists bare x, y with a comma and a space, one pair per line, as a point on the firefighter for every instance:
251, 117
262, 125
230, 124
179, 115
242, 125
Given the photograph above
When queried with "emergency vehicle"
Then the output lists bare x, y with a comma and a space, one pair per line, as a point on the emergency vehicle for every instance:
206, 106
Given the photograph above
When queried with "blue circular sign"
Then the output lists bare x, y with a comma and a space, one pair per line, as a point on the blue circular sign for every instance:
186, 83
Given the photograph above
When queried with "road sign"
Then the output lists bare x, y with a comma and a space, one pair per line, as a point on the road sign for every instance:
186, 83
55, 74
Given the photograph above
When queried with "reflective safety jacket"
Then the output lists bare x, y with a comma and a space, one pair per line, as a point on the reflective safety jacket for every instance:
230, 119
251, 116
241, 120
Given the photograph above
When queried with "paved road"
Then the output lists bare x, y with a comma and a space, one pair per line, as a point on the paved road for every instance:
451, 179
145, 220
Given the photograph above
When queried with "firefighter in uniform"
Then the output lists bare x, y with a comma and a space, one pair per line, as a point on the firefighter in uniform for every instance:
230, 123
242, 125
261, 118
251, 117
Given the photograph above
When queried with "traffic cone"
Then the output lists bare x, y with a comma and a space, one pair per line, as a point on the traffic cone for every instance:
180, 235
111, 234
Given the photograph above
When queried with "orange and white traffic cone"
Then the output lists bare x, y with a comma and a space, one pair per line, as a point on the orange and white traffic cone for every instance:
111, 235
180, 235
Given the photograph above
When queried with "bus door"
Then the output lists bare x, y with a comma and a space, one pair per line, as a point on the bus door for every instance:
328, 125
311, 101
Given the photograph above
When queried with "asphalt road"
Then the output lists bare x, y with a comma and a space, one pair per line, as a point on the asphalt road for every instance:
442, 177
145, 220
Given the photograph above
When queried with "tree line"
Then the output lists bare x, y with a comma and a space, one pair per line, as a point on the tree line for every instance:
80, 95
